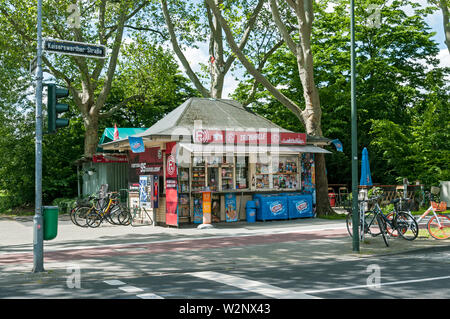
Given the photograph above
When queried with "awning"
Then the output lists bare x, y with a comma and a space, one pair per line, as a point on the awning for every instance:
124, 132
212, 149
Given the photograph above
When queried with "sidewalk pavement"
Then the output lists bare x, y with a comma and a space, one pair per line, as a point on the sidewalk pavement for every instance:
129, 251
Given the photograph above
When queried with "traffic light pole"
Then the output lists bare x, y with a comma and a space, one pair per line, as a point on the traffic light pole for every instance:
38, 232
355, 209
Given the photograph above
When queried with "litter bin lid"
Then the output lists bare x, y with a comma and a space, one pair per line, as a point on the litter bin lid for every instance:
50, 207
250, 204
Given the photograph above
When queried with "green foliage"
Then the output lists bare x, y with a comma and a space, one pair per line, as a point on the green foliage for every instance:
402, 94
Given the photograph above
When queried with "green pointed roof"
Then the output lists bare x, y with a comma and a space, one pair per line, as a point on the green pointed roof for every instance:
124, 132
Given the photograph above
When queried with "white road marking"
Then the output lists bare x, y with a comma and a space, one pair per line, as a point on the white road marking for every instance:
149, 296
114, 282
131, 289
252, 285
381, 284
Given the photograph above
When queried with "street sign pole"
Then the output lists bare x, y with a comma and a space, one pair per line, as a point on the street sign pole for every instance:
38, 232
355, 210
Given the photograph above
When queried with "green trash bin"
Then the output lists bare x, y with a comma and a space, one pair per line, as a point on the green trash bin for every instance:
50, 214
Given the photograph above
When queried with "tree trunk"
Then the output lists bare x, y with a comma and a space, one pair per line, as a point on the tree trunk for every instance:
91, 136
446, 21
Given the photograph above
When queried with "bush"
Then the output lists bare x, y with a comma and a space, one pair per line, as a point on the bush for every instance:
64, 204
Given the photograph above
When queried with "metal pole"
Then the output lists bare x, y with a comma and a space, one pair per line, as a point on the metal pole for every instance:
38, 236
355, 210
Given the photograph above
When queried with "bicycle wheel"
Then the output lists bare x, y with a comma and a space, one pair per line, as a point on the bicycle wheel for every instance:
349, 221
383, 230
79, 216
124, 217
113, 215
93, 219
439, 227
371, 223
407, 226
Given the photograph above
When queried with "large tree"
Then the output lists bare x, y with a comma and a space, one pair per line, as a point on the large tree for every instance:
89, 80
283, 13
398, 81
188, 23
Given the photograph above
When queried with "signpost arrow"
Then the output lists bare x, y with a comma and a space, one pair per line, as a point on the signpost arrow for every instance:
75, 48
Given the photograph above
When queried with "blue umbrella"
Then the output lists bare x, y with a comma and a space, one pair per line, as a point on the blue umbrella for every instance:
366, 178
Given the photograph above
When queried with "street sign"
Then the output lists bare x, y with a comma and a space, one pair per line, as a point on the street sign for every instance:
75, 48
33, 65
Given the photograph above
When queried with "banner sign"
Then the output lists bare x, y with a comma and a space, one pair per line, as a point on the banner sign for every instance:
171, 186
204, 136
113, 158
136, 144
230, 208
338, 145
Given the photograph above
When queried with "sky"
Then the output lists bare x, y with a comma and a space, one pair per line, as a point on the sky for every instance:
201, 54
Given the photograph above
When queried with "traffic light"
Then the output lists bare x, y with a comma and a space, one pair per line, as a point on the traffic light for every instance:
54, 108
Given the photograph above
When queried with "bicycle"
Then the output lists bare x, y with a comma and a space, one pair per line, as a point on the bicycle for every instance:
112, 210
369, 222
439, 225
82, 209
406, 225
374, 222
135, 216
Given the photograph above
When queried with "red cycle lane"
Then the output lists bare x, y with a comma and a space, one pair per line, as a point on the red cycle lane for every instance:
172, 246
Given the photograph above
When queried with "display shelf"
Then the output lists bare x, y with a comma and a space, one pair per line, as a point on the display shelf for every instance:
227, 177
183, 180
198, 182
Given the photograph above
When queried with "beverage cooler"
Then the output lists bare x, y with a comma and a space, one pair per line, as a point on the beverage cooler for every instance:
271, 207
300, 206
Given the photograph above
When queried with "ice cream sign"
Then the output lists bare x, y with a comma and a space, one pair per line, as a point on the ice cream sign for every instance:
266, 137
301, 206
276, 208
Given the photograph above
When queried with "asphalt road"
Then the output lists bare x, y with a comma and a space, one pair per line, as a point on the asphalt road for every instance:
422, 274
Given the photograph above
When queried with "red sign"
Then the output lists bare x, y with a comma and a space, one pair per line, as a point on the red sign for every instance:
171, 185
205, 136
117, 158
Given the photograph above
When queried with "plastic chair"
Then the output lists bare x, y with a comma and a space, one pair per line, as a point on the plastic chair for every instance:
342, 195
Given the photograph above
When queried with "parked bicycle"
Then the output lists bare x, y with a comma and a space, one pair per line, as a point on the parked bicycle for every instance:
110, 213
374, 222
439, 225
135, 216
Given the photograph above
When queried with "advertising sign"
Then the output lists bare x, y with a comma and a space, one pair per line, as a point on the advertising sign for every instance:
230, 208
204, 136
144, 199
136, 144
206, 200
171, 186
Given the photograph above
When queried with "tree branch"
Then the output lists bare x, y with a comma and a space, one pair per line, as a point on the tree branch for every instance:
113, 60
251, 68
245, 37
118, 106
191, 74
282, 28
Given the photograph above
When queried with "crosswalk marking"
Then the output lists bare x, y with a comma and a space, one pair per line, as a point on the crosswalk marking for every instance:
114, 282
252, 285
130, 289
149, 296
